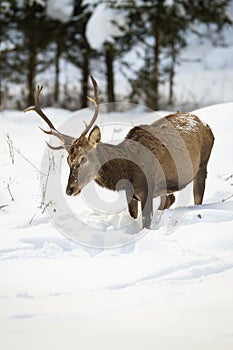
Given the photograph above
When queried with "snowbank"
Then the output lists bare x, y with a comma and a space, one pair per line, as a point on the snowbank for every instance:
162, 291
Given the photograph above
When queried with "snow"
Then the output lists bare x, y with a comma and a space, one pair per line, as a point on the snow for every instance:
61, 10
169, 3
31, 2
39, 2
203, 75
164, 290
101, 27
6, 46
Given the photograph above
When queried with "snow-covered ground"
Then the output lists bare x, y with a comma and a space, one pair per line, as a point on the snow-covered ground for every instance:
164, 291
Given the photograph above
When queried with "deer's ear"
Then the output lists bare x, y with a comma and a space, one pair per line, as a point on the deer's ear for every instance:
94, 136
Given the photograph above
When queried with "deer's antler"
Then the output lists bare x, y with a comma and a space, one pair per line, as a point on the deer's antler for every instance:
38, 110
65, 139
95, 100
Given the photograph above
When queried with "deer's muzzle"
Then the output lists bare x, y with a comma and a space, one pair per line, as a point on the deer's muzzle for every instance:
72, 191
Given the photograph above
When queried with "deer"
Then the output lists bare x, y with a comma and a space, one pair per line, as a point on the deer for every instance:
153, 160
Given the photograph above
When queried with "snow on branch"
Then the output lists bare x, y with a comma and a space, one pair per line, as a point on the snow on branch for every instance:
61, 10
101, 27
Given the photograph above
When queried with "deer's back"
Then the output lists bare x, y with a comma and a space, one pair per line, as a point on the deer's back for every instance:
178, 142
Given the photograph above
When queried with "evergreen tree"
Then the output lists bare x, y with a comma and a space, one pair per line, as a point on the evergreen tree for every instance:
78, 50
161, 27
11, 39
25, 25
33, 41
116, 41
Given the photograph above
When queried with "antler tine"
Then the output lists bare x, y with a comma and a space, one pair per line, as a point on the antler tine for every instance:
54, 133
38, 110
65, 139
96, 91
95, 100
53, 147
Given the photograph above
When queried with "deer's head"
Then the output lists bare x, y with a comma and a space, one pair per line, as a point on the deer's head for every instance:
81, 158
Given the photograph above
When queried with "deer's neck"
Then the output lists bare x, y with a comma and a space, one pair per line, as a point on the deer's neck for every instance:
114, 166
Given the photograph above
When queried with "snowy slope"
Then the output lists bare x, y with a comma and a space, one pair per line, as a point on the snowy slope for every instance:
165, 291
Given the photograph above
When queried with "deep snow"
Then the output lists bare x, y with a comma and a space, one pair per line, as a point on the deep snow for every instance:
165, 291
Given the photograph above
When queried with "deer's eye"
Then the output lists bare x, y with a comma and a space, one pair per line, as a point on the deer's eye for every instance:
83, 160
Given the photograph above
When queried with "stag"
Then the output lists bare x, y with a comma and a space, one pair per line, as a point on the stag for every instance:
153, 160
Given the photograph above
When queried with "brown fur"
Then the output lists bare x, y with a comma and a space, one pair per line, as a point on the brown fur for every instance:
153, 160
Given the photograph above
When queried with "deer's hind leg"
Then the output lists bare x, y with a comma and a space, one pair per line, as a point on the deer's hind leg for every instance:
199, 184
133, 208
200, 178
166, 201
132, 204
147, 210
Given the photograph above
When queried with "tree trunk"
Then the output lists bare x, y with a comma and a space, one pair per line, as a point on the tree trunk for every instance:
171, 75
156, 68
109, 58
85, 76
31, 72
57, 73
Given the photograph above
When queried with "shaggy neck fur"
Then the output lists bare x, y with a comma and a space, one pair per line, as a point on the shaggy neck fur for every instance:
114, 165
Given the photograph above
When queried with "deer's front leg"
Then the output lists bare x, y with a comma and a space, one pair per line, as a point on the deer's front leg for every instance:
132, 204
147, 210
133, 208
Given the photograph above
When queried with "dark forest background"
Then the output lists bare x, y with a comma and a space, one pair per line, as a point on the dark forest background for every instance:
33, 42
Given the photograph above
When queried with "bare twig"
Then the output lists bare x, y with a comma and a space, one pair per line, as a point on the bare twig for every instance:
9, 189
229, 177
225, 199
11, 148
30, 222
46, 206
27, 160
3, 206
45, 185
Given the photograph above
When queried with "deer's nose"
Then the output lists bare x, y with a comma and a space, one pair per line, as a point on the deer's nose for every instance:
69, 191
